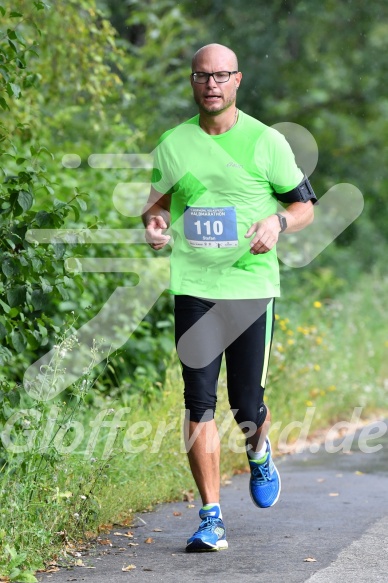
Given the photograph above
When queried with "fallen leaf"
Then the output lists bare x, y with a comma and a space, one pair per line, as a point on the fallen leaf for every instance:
358, 473
79, 563
105, 527
128, 534
104, 541
177, 513
129, 568
133, 544
190, 506
310, 560
334, 494
149, 540
157, 530
52, 570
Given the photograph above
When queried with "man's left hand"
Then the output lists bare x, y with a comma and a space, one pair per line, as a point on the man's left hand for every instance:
266, 234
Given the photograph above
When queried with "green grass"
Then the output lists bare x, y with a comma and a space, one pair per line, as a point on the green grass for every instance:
330, 356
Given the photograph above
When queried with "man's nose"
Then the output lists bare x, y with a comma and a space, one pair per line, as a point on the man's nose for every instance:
211, 82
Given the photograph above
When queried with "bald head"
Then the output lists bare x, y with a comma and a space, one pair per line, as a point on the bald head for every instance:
217, 54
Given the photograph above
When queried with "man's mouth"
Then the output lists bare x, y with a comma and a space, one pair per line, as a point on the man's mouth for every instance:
212, 97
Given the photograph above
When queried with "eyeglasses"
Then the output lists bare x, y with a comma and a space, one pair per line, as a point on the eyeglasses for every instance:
218, 76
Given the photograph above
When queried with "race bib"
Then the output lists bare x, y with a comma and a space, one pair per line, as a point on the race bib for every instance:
211, 226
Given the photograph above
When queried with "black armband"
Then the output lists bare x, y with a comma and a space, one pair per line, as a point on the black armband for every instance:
301, 193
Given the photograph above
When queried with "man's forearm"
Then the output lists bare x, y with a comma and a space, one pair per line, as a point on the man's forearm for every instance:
298, 215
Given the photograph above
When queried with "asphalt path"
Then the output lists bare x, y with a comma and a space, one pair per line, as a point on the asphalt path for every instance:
329, 525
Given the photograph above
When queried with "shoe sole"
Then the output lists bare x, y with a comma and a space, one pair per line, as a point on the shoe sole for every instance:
277, 497
198, 546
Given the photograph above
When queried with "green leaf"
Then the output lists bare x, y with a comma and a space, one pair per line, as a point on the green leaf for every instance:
25, 199
44, 149
58, 204
3, 331
59, 250
2, 10
13, 89
23, 260
75, 211
33, 339
82, 204
18, 341
16, 296
39, 299
39, 5
49, 189
9, 267
12, 45
79, 283
37, 264
26, 577
46, 286
10, 243
4, 73
63, 291
15, 15
13, 397
43, 218
5, 307
3, 103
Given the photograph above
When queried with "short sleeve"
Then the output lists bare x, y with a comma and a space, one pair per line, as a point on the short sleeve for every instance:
283, 172
160, 178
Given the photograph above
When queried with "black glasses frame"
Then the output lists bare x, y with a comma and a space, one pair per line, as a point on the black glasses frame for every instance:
193, 76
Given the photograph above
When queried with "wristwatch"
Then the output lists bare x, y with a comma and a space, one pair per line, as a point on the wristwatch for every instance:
282, 221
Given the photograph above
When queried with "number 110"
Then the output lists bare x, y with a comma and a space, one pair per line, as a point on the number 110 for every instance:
218, 227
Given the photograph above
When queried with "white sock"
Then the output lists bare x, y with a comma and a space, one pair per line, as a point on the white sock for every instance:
214, 504
257, 455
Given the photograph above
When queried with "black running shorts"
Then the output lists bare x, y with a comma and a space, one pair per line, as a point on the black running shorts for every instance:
242, 329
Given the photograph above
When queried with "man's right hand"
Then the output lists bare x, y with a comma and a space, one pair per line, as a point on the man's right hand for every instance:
153, 233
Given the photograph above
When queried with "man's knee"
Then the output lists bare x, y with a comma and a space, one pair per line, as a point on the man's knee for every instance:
250, 417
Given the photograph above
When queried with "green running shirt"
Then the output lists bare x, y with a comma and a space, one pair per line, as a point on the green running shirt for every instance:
220, 185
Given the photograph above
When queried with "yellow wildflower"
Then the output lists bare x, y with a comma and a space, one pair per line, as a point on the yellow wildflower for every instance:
319, 340
277, 316
317, 367
309, 403
290, 341
317, 304
332, 388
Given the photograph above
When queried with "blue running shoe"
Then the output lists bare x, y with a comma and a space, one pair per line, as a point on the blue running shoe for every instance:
264, 484
211, 534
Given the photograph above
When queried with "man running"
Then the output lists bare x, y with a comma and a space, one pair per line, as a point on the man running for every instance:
217, 181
